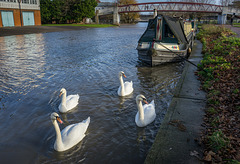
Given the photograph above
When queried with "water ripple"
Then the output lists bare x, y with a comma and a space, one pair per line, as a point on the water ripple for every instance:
35, 67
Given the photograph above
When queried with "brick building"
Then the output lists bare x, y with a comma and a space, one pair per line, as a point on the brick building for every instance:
19, 13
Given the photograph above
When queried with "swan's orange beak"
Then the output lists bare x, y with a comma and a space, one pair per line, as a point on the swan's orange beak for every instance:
145, 101
60, 94
59, 120
124, 76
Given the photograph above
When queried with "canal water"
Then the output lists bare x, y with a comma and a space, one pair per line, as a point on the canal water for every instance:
86, 62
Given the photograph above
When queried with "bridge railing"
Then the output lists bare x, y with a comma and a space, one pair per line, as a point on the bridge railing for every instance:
170, 7
105, 11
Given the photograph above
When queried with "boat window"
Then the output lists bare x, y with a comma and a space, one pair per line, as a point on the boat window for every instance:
168, 33
168, 36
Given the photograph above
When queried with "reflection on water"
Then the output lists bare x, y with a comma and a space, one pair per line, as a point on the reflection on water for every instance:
17, 54
35, 67
141, 135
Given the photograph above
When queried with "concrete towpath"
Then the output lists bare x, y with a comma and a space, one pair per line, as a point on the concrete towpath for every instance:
234, 29
176, 139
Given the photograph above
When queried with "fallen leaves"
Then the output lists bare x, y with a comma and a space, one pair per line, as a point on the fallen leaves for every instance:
194, 153
223, 98
178, 124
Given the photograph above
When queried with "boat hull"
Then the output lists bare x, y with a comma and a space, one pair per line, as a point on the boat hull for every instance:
154, 57
166, 40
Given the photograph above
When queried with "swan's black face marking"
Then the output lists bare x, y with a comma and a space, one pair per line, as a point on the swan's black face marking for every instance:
58, 119
61, 92
123, 74
144, 99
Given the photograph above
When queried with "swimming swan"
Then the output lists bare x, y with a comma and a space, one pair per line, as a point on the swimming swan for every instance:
70, 135
125, 88
146, 113
68, 102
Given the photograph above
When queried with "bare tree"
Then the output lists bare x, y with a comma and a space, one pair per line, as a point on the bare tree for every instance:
236, 3
128, 17
226, 2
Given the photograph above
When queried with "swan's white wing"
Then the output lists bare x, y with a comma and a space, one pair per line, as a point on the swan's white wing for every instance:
74, 133
64, 132
72, 101
59, 106
149, 112
128, 87
152, 103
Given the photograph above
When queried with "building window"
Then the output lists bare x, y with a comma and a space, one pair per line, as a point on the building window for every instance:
33, 1
7, 0
25, 1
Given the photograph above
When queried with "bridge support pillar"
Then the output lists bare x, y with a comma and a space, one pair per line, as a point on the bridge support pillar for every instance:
222, 18
116, 16
97, 17
155, 13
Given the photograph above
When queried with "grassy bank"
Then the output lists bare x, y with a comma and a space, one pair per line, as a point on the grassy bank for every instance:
82, 25
236, 24
221, 80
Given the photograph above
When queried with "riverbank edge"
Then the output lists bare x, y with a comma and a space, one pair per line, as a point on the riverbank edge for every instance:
46, 28
9, 31
177, 137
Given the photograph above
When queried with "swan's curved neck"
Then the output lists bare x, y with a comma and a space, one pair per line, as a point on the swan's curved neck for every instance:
64, 98
122, 85
140, 109
58, 143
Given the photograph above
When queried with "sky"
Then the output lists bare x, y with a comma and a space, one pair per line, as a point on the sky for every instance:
141, 1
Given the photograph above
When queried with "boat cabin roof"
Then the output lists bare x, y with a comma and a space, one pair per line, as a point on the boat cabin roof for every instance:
165, 29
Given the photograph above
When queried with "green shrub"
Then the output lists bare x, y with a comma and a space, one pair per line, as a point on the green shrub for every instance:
236, 91
215, 122
213, 101
233, 161
214, 93
207, 85
218, 141
211, 110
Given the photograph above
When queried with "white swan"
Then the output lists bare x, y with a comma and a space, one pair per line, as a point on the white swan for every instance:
70, 135
125, 88
146, 113
68, 102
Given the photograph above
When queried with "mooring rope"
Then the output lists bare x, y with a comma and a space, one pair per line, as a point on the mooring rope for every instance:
182, 57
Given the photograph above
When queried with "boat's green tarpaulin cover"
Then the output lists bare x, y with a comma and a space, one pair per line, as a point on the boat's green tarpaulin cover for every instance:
175, 24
